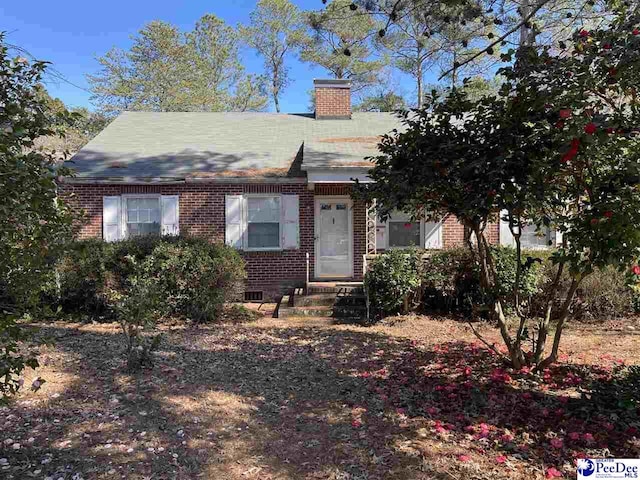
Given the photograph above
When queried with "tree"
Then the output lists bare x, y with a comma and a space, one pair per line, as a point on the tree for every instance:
417, 43
84, 125
341, 43
559, 148
382, 102
275, 29
34, 223
491, 25
167, 70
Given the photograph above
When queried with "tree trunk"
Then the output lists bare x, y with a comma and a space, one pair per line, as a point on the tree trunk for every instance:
276, 102
487, 282
543, 327
419, 74
564, 314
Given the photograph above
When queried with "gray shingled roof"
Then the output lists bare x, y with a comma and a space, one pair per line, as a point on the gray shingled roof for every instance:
176, 144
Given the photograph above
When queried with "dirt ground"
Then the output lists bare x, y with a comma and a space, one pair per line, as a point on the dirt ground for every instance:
414, 398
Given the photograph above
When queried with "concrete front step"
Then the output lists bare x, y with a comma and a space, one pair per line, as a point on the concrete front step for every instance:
323, 311
307, 311
316, 299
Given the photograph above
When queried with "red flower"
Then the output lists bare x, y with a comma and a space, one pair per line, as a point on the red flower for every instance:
636, 31
584, 33
553, 472
565, 113
464, 458
590, 128
613, 71
501, 459
636, 269
607, 46
560, 124
557, 443
595, 221
611, 130
356, 424
575, 143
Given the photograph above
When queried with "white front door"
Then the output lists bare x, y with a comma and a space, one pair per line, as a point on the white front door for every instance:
334, 246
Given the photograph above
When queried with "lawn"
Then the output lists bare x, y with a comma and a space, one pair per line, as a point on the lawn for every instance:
418, 398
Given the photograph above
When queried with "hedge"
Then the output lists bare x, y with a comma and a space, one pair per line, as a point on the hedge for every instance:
194, 277
447, 281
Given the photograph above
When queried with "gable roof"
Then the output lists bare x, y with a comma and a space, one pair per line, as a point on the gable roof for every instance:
200, 144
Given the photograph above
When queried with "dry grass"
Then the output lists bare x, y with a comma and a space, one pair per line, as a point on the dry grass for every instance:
274, 399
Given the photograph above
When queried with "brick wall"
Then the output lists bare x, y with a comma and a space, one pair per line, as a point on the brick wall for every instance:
333, 102
453, 233
202, 214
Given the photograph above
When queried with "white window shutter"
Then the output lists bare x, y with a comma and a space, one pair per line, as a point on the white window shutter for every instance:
111, 219
506, 238
170, 214
433, 234
290, 205
233, 220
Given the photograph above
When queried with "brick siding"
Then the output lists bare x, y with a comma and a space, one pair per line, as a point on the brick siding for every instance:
202, 213
333, 102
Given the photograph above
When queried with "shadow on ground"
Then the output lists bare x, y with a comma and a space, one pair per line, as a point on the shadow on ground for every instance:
253, 402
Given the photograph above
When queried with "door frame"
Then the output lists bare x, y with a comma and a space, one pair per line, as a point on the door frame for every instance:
316, 233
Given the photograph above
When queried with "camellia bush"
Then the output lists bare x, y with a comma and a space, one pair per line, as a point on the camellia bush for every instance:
559, 147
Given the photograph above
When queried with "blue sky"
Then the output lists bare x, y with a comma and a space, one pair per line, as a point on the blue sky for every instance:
71, 33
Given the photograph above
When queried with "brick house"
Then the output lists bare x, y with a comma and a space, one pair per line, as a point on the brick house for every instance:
275, 186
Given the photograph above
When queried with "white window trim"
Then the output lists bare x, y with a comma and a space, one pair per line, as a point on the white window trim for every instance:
245, 221
123, 210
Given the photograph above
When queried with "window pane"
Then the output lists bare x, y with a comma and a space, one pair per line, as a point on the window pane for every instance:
263, 210
532, 238
404, 234
264, 235
139, 229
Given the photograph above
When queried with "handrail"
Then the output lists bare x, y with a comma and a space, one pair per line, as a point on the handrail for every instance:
306, 285
365, 267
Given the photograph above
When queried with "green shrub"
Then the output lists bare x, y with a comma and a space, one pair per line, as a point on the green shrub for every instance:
196, 276
621, 392
192, 276
451, 284
392, 281
451, 279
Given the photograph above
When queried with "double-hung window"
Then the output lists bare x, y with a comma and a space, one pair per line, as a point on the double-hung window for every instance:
126, 216
142, 216
257, 222
263, 223
402, 231
532, 237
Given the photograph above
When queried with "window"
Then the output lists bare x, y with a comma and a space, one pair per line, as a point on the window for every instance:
125, 216
531, 237
142, 216
263, 222
402, 231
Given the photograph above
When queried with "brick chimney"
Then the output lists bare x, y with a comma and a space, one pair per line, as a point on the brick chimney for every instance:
333, 99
